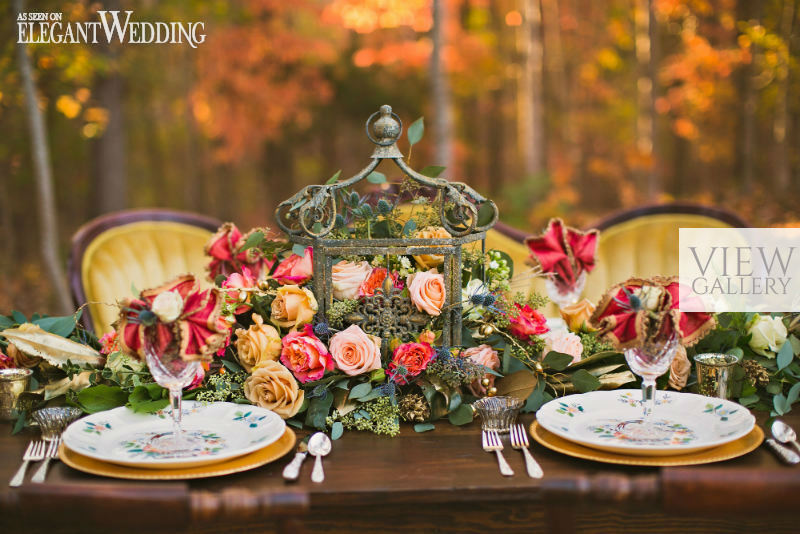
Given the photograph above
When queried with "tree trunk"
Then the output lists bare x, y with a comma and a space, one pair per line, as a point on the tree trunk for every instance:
781, 129
644, 24
440, 85
746, 140
43, 173
530, 120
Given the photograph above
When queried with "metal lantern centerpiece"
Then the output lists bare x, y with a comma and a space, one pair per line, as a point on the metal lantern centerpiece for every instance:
310, 215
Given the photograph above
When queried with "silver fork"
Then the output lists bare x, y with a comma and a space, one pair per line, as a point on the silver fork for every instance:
52, 452
519, 440
33, 453
491, 442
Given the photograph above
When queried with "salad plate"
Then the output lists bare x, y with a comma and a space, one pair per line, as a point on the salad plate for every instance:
223, 430
612, 421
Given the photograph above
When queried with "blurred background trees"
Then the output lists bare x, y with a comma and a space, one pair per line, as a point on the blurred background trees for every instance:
573, 108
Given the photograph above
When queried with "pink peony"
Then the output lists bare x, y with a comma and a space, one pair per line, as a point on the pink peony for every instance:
355, 352
527, 323
243, 280
427, 291
305, 355
295, 269
564, 342
413, 358
347, 277
482, 355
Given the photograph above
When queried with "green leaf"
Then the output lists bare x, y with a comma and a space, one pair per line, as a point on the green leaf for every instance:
294, 423
100, 398
485, 213
557, 361
409, 227
416, 131
793, 394
5, 322
60, 326
298, 249
360, 390
337, 430
432, 171
748, 400
779, 404
378, 375
219, 280
461, 415
785, 355
232, 366
253, 240
19, 317
335, 178
318, 410
376, 177
585, 381
424, 427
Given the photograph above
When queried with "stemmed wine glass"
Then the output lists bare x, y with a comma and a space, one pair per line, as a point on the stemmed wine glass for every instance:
173, 373
563, 294
649, 361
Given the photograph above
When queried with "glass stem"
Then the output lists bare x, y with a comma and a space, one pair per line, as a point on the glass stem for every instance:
648, 397
175, 402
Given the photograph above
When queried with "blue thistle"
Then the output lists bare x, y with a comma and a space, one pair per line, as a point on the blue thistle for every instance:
489, 299
322, 329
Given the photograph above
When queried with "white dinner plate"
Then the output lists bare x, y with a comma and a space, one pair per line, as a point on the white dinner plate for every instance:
222, 430
612, 421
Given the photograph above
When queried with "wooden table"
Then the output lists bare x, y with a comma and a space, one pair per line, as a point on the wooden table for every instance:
440, 481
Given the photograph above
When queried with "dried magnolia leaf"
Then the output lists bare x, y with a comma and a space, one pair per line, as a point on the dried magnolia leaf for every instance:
607, 382
519, 385
342, 403
32, 340
604, 369
78, 382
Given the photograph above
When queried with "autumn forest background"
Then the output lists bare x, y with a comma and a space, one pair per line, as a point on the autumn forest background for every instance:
574, 108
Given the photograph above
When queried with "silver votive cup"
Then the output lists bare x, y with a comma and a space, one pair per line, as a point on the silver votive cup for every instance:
715, 374
497, 413
12, 383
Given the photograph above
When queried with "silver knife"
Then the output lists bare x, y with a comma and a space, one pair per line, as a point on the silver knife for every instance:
292, 469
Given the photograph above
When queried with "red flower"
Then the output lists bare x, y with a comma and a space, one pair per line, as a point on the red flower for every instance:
527, 323
227, 258
295, 269
6, 362
564, 252
413, 357
243, 280
108, 343
373, 282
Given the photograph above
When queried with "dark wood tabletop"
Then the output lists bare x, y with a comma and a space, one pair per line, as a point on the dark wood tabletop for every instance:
439, 481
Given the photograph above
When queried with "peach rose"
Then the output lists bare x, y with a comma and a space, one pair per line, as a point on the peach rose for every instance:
577, 316
347, 277
373, 282
295, 269
354, 351
482, 355
429, 261
305, 355
273, 387
427, 292
679, 369
563, 342
293, 306
259, 343
427, 336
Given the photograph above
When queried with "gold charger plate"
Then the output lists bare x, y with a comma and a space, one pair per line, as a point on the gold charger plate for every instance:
249, 461
730, 450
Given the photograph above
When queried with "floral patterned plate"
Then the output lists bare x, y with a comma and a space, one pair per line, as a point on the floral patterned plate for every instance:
612, 421
225, 430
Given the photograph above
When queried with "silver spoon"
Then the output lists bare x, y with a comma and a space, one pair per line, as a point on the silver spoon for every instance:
784, 433
318, 446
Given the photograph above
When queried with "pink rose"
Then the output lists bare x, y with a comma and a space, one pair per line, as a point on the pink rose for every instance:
355, 352
224, 247
482, 355
243, 280
347, 277
6, 362
563, 342
295, 269
305, 355
427, 292
527, 323
413, 358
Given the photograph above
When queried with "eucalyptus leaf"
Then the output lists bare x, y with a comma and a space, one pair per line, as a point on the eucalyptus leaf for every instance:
409, 227
433, 171
253, 240
416, 131
19, 317
5, 322
318, 410
748, 400
298, 249
779, 404
376, 177
424, 427
793, 394
461, 415
60, 326
360, 390
785, 355
337, 429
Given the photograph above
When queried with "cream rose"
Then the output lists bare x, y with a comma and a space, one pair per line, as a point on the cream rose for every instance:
273, 387
482, 355
354, 351
429, 261
768, 334
650, 296
293, 306
563, 342
427, 291
679, 369
259, 343
167, 306
347, 277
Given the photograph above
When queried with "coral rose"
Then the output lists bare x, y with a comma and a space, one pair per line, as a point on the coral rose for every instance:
413, 358
527, 323
109, 343
273, 387
347, 277
293, 306
295, 269
563, 342
427, 291
577, 316
373, 282
305, 355
482, 355
429, 261
679, 369
355, 352
259, 343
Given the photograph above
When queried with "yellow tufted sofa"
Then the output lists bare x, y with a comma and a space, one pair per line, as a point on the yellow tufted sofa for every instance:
141, 249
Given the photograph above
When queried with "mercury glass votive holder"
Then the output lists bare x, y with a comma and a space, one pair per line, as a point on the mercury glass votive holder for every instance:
497, 413
715, 374
12, 383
